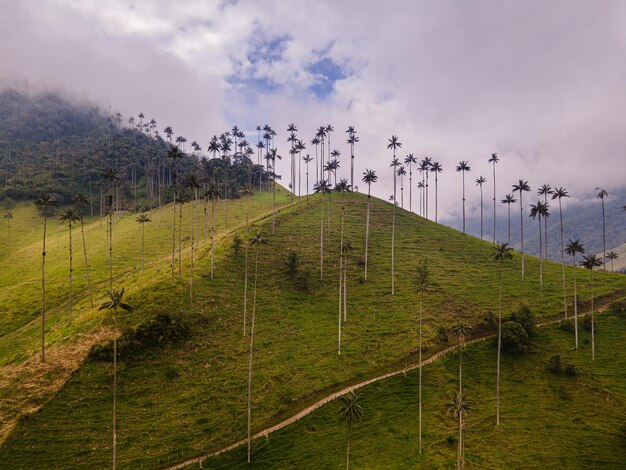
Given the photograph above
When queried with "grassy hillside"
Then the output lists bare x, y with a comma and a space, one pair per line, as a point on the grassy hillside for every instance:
548, 420
181, 400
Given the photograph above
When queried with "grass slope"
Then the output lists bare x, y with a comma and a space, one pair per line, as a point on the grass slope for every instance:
181, 401
547, 420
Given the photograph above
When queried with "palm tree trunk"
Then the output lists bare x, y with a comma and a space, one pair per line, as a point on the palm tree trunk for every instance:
545, 229
509, 207
256, 272
540, 257
420, 373
348, 448
521, 219
436, 202
191, 253
174, 238
393, 248
494, 202
410, 188
322, 239
43, 288
481, 211
143, 229
575, 307
111, 248
460, 443
345, 289
499, 348
603, 241
213, 238
593, 337
463, 177
180, 242
339, 318
367, 230
114, 390
82, 231
273, 206
245, 282
70, 299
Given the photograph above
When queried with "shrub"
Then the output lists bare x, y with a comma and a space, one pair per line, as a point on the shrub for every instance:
587, 324
555, 364
525, 318
567, 326
442, 335
154, 332
491, 320
559, 367
514, 338
237, 243
292, 262
570, 370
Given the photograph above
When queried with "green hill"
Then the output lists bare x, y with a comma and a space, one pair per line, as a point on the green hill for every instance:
188, 397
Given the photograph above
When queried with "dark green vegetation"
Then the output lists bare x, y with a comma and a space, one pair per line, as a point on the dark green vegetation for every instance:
188, 397
550, 419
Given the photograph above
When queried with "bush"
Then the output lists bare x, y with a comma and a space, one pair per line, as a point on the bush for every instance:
514, 338
525, 318
442, 335
558, 367
555, 364
237, 243
292, 262
491, 321
570, 370
567, 326
587, 324
154, 332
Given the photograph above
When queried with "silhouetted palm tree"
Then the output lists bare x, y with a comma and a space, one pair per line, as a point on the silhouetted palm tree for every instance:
589, 262
307, 159
352, 139
45, 203
426, 164
601, 194
114, 303
350, 413
479, 182
322, 187
142, 219
71, 217
394, 164
369, 177
508, 200
463, 167
560, 193
501, 252
540, 210
612, 256
544, 191
573, 248
436, 168
522, 187
409, 160
257, 241
494, 160
401, 172
458, 407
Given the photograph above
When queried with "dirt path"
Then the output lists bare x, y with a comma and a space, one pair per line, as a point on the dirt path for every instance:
318, 404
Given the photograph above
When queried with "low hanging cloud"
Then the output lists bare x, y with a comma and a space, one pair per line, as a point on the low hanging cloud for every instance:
541, 84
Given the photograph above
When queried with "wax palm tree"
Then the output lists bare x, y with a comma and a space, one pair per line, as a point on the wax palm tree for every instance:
479, 182
142, 219
540, 210
46, 202
560, 193
8, 217
352, 139
420, 186
521, 186
422, 285
394, 164
408, 161
307, 159
573, 248
316, 141
423, 169
329, 129
508, 200
346, 248
601, 194
501, 253
436, 168
350, 413
257, 241
81, 201
112, 175
70, 216
589, 262
462, 333
612, 256
182, 200
426, 164
212, 192
322, 187
342, 187
544, 191
245, 191
458, 407
174, 154
115, 302
401, 172
369, 177
193, 183
463, 167
494, 160
273, 155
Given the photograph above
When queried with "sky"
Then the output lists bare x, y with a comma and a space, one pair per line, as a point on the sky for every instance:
542, 84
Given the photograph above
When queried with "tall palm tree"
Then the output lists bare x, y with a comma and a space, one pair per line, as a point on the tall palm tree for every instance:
589, 262
257, 241
273, 155
401, 172
352, 139
461, 332
436, 168
422, 285
193, 183
409, 160
601, 194
182, 200
307, 159
112, 175
573, 248
8, 217
212, 192
71, 217
350, 413
560, 193
540, 210
521, 186
420, 186
245, 191
174, 154
479, 182
81, 201
322, 187
46, 202
494, 160
426, 164
369, 177
329, 129
142, 219
612, 256
458, 407
394, 164
115, 302
508, 200
544, 191
501, 253
463, 167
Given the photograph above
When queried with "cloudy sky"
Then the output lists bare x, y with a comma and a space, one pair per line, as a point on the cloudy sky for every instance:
543, 84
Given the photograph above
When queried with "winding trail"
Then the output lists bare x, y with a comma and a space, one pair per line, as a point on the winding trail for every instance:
318, 404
